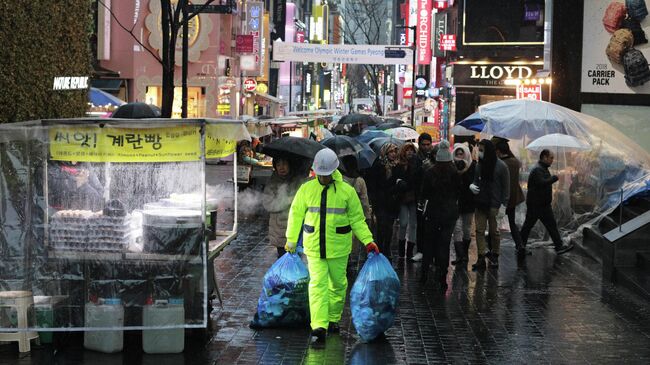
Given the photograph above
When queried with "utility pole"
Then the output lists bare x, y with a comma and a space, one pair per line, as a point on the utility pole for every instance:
184, 62
415, 43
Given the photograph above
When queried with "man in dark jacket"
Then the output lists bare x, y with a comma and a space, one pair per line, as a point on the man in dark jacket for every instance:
516, 194
538, 201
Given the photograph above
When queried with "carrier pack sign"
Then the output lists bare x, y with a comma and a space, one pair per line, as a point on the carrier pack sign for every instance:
424, 31
599, 73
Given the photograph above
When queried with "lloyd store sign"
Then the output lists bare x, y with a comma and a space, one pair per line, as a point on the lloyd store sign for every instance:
492, 74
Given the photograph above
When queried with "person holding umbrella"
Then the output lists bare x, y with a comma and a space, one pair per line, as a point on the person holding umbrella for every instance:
277, 197
423, 162
328, 212
538, 202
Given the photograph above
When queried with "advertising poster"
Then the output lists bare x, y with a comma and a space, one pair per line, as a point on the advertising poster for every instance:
599, 73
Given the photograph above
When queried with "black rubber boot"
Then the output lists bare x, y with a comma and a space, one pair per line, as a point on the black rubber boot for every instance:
494, 260
466, 244
480, 263
333, 328
320, 333
409, 249
401, 248
458, 247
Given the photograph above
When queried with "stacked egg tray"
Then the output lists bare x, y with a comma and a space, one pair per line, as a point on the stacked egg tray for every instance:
83, 230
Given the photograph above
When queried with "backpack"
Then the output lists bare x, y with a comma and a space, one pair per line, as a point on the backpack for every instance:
636, 9
614, 16
636, 68
635, 27
619, 43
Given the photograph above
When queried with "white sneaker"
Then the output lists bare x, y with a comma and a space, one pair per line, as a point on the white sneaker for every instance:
417, 257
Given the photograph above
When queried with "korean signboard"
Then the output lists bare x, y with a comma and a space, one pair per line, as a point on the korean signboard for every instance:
440, 4
531, 92
92, 144
279, 15
603, 74
254, 26
448, 42
424, 32
439, 29
244, 43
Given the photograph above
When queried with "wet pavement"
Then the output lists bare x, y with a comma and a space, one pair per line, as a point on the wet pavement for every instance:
552, 310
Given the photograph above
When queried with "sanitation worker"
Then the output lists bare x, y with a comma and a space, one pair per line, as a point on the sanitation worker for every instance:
328, 211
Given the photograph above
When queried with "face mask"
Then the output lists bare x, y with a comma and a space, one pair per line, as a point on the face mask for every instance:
480, 155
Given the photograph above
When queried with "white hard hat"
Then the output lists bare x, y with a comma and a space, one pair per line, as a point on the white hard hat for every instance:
325, 162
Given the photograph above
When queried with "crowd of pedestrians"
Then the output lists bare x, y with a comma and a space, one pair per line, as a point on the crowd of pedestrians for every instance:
432, 195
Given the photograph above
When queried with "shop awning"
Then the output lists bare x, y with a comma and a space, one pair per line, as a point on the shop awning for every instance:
270, 98
109, 85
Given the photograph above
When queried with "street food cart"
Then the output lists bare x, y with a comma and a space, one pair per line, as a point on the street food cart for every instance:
103, 222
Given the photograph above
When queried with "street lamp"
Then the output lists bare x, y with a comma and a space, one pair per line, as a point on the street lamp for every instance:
414, 29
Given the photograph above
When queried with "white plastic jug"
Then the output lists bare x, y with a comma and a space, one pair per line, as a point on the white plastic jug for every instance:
164, 313
108, 313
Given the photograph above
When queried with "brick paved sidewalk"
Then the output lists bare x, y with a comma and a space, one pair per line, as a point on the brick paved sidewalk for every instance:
553, 310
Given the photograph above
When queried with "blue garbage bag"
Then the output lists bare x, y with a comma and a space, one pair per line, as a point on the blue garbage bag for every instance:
284, 301
374, 297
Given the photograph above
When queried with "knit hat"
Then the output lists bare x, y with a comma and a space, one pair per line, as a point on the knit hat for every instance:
443, 154
614, 16
636, 68
619, 43
635, 27
636, 9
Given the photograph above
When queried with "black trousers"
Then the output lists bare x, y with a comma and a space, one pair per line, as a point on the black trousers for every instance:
514, 230
544, 214
419, 239
384, 231
437, 238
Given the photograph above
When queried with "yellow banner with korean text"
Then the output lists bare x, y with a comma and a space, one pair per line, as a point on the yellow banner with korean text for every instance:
221, 139
110, 144
430, 128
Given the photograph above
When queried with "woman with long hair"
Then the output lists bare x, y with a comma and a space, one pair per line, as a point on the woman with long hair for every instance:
382, 189
406, 189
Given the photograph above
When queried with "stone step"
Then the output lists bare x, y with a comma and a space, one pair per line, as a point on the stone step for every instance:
643, 260
636, 279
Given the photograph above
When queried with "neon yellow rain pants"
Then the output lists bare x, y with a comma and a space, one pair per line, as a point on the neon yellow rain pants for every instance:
327, 287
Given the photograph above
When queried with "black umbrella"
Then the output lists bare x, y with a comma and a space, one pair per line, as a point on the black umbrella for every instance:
288, 147
137, 111
389, 125
343, 145
357, 119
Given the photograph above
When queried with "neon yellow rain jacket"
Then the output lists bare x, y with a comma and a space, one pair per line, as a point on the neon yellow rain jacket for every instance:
331, 214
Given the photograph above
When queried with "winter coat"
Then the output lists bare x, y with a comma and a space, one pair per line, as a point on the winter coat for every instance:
328, 236
276, 199
359, 185
540, 187
382, 190
493, 193
408, 181
441, 189
466, 198
516, 194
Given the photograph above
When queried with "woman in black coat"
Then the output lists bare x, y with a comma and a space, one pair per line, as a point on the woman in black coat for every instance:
441, 189
383, 194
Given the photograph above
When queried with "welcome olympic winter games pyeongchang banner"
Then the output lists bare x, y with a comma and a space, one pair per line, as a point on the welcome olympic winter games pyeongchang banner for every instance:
605, 55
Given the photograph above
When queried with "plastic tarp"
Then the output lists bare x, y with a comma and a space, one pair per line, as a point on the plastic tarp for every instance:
592, 180
107, 217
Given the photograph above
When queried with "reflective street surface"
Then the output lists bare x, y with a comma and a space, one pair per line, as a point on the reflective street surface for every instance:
552, 310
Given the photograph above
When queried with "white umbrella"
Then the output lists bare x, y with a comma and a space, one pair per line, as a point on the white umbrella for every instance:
403, 133
557, 140
459, 130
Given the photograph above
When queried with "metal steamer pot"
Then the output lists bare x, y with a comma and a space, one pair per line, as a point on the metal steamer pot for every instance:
172, 231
